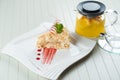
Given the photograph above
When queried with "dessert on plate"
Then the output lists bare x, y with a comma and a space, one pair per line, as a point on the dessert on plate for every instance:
56, 38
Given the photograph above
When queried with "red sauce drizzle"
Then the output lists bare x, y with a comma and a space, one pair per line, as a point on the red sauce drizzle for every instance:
37, 58
39, 50
38, 54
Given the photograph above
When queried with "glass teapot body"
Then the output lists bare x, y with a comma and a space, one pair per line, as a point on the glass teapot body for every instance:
90, 19
89, 27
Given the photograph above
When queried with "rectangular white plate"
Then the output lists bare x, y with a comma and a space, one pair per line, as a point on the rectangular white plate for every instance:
23, 49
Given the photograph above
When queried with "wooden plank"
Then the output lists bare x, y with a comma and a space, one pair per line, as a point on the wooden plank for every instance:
70, 73
82, 71
59, 12
42, 78
66, 15
104, 75
73, 73
64, 75
37, 12
13, 69
71, 7
92, 70
116, 58
22, 72
51, 9
110, 67
4, 67
32, 76
44, 11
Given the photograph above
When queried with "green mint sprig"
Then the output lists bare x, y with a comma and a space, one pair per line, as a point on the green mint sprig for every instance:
59, 27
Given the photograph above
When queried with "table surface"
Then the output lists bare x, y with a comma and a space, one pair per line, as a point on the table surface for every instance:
20, 16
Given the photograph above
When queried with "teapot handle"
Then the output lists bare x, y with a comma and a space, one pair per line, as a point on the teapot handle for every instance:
111, 17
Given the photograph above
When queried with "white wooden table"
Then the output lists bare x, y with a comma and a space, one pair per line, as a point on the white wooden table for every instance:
19, 16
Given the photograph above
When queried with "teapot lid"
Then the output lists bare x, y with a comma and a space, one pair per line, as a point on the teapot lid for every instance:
91, 8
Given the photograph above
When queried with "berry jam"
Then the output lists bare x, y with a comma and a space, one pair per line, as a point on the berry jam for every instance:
38, 54
37, 58
39, 50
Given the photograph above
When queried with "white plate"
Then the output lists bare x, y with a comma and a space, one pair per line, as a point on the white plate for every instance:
23, 49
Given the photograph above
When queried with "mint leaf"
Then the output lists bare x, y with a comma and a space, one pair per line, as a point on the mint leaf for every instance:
59, 27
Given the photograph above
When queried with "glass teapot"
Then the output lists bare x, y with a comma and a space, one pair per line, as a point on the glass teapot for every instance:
90, 20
